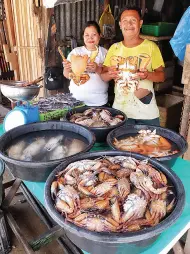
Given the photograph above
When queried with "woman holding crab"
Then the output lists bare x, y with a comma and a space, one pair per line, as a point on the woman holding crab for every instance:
87, 87
134, 64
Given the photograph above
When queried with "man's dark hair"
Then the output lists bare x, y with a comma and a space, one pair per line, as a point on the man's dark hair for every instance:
129, 8
94, 24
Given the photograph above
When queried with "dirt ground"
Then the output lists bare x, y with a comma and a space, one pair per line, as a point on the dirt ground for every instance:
29, 223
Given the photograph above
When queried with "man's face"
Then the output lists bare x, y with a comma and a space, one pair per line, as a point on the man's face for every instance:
130, 23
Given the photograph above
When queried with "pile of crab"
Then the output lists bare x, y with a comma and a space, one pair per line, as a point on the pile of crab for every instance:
95, 117
112, 194
146, 142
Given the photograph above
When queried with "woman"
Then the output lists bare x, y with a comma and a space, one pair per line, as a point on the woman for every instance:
94, 92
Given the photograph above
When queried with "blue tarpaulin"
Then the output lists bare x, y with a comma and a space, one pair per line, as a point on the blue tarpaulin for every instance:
181, 36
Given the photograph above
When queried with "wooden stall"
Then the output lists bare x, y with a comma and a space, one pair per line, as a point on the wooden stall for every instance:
26, 25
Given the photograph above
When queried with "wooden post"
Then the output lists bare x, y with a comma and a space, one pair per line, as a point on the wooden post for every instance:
184, 126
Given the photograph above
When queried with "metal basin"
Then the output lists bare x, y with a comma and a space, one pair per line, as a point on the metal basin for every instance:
14, 93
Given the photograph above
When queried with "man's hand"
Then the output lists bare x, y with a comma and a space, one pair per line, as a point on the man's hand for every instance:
142, 74
113, 72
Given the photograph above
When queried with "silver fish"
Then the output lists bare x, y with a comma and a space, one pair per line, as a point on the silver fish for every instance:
58, 153
75, 146
53, 142
15, 151
33, 149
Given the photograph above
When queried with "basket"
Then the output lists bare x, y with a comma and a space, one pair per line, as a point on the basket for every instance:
159, 29
56, 114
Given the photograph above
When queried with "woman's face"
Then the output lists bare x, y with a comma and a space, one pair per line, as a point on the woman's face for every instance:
91, 37
130, 23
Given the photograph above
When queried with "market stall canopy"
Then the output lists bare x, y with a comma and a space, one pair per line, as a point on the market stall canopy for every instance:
52, 3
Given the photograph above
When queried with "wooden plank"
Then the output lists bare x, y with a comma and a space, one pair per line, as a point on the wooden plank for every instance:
23, 6
186, 68
187, 243
184, 125
36, 35
12, 59
7, 41
15, 7
6, 52
10, 22
9, 197
19, 235
186, 89
177, 249
155, 38
187, 154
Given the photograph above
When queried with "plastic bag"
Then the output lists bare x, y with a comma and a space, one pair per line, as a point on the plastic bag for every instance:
181, 36
53, 78
107, 24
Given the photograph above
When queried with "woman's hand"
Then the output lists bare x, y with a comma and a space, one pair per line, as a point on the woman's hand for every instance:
67, 66
92, 67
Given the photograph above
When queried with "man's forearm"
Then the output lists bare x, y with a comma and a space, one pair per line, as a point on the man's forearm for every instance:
156, 76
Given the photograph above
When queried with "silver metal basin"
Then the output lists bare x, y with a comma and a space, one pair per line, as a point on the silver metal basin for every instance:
15, 93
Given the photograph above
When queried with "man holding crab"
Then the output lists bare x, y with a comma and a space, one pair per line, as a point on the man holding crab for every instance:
134, 64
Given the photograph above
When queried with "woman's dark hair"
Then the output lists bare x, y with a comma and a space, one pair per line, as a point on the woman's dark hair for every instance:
128, 8
94, 24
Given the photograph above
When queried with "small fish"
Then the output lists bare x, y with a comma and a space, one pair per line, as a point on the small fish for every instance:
33, 149
53, 142
15, 151
75, 146
58, 153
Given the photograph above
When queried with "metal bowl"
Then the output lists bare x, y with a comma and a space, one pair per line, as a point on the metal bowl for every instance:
15, 93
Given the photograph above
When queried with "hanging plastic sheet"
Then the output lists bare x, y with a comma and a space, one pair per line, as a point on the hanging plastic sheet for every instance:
182, 36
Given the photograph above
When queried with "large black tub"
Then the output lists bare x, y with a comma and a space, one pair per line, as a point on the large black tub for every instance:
112, 243
39, 171
100, 132
175, 138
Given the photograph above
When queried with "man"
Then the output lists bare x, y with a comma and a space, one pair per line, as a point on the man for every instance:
134, 64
